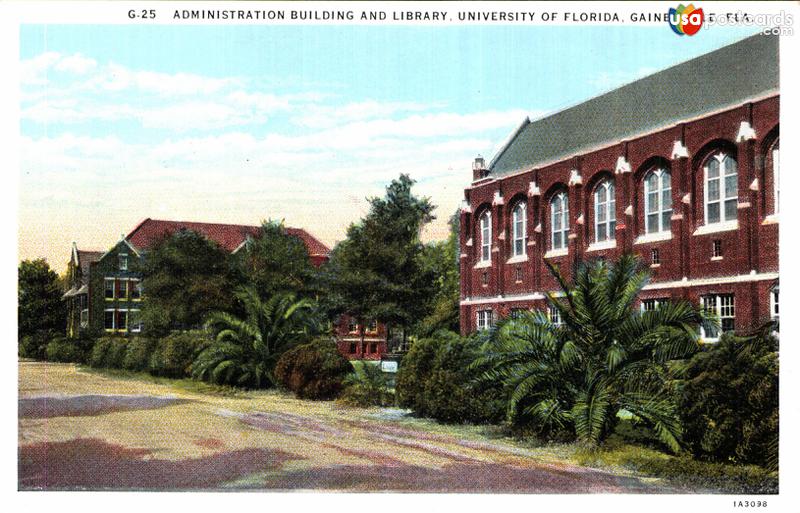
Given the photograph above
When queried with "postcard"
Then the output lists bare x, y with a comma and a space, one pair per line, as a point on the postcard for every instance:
470, 251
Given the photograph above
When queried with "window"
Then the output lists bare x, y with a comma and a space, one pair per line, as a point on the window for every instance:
486, 237
723, 306
651, 305
352, 326
605, 218
123, 289
134, 321
554, 314
373, 348
123, 262
716, 249
108, 320
109, 282
518, 271
484, 319
84, 318
657, 201
774, 312
516, 313
485, 279
352, 348
135, 289
122, 320
655, 258
519, 229
559, 221
722, 189
372, 327
776, 177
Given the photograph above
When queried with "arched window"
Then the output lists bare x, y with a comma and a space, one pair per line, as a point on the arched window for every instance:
559, 221
605, 218
486, 236
722, 188
657, 201
776, 176
519, 229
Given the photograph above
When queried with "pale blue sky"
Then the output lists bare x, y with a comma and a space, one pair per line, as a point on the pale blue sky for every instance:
241, 123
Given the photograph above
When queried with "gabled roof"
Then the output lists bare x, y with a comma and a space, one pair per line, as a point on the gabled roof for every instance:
724, 78
228, 236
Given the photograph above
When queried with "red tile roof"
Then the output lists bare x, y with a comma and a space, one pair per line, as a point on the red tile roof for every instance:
228, 236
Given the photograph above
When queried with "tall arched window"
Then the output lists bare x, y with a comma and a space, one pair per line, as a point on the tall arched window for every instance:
605, 218
722, 188
559, 221
519, 229
776, 176
657, 201
486, 236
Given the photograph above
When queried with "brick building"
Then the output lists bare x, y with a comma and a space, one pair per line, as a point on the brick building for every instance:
105, 290
680, 167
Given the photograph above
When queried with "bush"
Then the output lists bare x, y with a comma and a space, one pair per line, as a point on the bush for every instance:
100, 352
729, 401
434, 381
313, 371
173, 355
35, 345
367, 386
62, 349
138, 354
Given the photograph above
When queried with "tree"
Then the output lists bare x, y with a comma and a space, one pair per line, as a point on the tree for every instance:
40, 307
276, 261
377, 272
185, 276
246, 349
441, 260
606, 357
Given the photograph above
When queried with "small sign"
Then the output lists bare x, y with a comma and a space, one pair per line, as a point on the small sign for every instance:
389, 366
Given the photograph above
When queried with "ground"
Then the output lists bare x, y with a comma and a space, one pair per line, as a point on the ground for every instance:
86, 430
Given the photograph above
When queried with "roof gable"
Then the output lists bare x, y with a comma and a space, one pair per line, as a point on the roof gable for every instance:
723, 78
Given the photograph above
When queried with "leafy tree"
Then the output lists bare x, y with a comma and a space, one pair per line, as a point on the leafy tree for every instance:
377, 272
276, 261
246, 349
185, 277
315, 370
39, 304
607, 356
441, 260
729, 400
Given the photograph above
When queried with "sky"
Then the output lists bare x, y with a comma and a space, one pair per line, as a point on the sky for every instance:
239, 124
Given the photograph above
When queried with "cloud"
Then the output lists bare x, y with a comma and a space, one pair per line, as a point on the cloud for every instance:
76, 63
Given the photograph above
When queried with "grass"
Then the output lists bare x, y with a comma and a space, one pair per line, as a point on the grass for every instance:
185, 384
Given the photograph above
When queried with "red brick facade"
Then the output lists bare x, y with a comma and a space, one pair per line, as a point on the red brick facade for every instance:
348, 339
694, 257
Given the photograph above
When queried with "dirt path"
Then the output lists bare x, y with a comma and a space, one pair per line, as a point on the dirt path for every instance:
88, 431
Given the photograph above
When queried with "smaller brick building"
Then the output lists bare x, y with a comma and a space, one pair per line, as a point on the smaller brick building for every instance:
680, 167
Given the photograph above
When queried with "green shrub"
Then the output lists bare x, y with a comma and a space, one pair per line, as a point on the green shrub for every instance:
367, 386
99, 355
434, 381
173, 355
62, 349
313, 371
116, 353
729, 401
138, 354
35, 345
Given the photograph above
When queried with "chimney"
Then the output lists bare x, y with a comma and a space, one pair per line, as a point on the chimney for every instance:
479, 169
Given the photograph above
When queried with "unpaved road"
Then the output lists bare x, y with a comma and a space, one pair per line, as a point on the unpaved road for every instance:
80, 430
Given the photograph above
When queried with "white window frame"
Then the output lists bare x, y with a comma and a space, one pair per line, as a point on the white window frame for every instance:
84, 318
774, 298
137, 326
519, 229
119, 288
113, 320
484, 320
562, 200
656, 302
119, 311
554, 316
776, 177
608, 208
123, 261
722, 311
721, 158
134, 284
660, 210
352, 325
486, 236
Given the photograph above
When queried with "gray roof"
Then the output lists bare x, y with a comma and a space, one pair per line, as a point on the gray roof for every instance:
719, 79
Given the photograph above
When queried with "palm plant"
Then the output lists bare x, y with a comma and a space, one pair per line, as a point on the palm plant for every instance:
605, 356
246, 349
